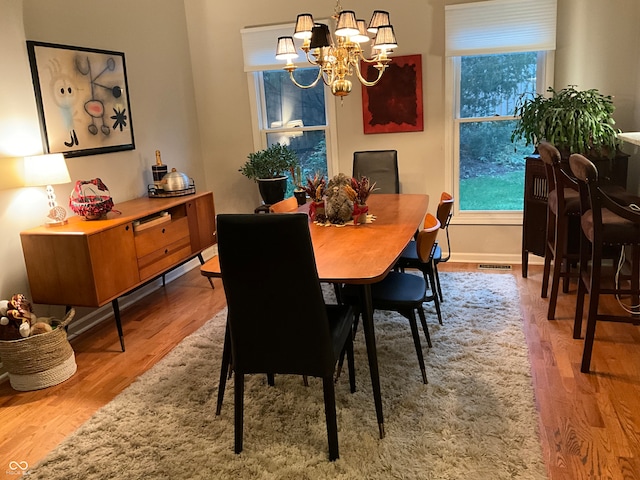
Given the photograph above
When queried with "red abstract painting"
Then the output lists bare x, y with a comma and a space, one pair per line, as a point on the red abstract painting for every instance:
395, 103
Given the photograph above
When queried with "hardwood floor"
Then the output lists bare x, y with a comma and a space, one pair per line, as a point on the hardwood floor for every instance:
589, 423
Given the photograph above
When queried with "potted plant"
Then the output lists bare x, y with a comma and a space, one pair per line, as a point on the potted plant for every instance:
268, 168
575, 121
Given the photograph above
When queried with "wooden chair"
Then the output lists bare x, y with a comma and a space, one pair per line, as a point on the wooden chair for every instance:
277, 320
563, 211
604, 223
287, 205
380, 166
404, 292
411, 258
443, 214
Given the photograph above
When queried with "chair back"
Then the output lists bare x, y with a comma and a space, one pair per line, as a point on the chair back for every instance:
426, 239
276, 313
380, 166
557, 178
595, 199
445, 210
287, 205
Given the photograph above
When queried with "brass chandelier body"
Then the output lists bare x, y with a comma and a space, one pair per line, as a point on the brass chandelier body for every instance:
340, 58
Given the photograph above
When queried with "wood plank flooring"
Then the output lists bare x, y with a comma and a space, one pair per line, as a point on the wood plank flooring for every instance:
589, 423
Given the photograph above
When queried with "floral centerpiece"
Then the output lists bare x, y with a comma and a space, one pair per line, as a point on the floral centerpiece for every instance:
315, 188
362, 189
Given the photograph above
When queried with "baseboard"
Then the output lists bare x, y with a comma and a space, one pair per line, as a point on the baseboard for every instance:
494, 258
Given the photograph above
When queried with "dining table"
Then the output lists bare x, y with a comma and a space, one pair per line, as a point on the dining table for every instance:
362, 254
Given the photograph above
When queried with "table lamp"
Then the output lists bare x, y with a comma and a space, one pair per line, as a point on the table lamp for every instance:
48, 170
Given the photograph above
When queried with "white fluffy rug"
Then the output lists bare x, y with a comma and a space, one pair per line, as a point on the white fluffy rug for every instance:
475, 419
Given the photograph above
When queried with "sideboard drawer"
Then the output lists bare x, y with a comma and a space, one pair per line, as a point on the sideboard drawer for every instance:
158, 237
163, 258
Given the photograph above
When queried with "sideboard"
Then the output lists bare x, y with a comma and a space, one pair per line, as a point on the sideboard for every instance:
91, 263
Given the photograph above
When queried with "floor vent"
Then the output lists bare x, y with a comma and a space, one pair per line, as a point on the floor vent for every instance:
493, 266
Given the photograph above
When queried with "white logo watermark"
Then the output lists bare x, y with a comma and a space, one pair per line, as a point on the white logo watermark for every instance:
17, 468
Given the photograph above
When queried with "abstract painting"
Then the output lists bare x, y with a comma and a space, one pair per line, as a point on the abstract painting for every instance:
82, 98
394, 104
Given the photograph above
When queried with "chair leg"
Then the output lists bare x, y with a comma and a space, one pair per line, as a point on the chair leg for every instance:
224, 368
425, 327
549, 252
271, 379
590, 333
411, 315
594, 298
558, 263
238, 411
437, 279
351, 364
436, 300
330, 416
577, 321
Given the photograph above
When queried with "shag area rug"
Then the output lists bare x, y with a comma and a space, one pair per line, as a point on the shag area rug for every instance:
475, 419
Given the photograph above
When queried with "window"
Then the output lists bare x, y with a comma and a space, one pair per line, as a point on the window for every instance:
490, 169
295, 117
497, 51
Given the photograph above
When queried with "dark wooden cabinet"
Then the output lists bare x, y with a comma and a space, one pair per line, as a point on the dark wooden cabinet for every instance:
534, 221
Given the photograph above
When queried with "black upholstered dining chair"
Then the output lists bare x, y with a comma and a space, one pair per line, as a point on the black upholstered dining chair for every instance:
380, 166
277, 321
605, 224
404, 292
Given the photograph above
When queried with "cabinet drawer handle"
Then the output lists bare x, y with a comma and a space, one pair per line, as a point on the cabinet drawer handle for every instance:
166, 251
163, 230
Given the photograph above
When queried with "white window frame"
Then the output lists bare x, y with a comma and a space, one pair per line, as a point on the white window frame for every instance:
544, 79
492, 27
260, 131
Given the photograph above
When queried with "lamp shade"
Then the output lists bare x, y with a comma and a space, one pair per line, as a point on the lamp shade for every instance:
320, 36
347, 24
286, 50
378, 19
385, 38
304, 25
362, 36
48, 169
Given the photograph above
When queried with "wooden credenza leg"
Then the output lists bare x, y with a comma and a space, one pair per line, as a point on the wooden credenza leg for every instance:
116, 314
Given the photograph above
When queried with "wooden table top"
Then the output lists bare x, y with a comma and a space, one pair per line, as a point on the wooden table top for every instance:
361, 253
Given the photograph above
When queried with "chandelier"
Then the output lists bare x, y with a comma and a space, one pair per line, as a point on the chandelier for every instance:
340, 57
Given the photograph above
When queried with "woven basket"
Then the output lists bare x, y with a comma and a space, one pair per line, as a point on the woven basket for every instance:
40, 361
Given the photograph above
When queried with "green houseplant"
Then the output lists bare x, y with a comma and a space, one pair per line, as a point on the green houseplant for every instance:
269, 168
575, 121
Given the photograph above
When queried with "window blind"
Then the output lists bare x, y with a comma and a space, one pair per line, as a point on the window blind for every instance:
500, 26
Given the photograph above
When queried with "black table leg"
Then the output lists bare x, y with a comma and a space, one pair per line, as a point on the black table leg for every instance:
370, 339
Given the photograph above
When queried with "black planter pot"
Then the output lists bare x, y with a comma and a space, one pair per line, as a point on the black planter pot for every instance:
301, 196
272, 190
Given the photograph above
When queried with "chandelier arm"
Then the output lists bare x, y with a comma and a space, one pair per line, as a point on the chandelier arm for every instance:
311, 85
365, 82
